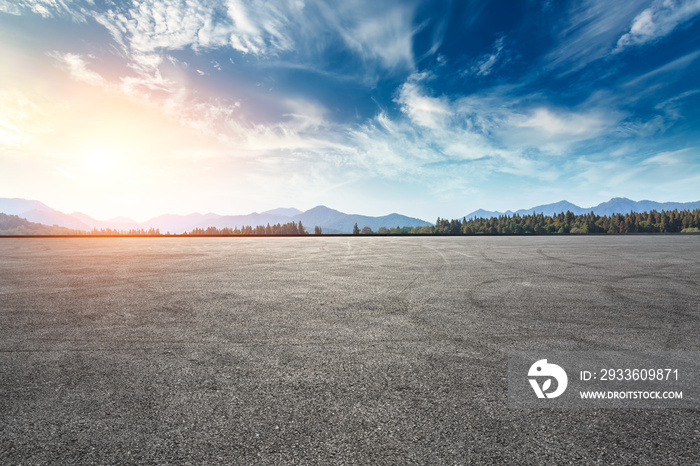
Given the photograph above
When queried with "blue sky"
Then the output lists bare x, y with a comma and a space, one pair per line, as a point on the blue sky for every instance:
424, 108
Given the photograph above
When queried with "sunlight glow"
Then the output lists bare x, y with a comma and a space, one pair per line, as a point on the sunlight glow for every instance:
102, 162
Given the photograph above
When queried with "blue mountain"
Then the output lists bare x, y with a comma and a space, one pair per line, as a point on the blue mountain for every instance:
616, 205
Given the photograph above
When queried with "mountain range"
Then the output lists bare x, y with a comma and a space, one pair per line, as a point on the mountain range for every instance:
616, 205
330, 220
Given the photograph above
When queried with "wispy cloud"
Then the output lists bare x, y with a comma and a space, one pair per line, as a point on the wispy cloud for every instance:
487, 63
262, 28
151, 26
672, 158
386, 37
421, 109
544, 120
590, 31
667, 69
657, 21
77, 66
491, 132
11, 8
48, 8
671, 107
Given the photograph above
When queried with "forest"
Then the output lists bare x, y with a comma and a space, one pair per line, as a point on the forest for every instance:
566, 223
290, 228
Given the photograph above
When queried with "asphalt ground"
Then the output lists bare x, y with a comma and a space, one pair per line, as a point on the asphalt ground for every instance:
344, 350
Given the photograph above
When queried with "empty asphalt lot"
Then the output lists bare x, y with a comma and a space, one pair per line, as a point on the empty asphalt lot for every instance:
342, 350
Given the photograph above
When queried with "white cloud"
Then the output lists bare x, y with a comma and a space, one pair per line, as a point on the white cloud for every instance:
479, 135
306, 115
142, 85
76, 65
423, 110
11, 8
387, 37
671, 107
668, 69
657, 21
486, 64
590, 32
261, 27
150, 26
670, 158
612, 176
45, 8
567, 124
398, 152
376, 31
380, 35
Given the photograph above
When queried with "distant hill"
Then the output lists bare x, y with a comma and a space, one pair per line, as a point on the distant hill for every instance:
622, 205
14, 225
284, 212
335, 221
237, 221
55, 217
553, 209
616, 205
117, 223
330, 220
38, 212
481, 213
16, 206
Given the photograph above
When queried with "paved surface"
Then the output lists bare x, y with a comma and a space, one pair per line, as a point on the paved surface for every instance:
330, 350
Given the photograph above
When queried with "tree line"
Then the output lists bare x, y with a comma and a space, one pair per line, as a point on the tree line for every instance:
130, 232
291, 228
532, 224
562, 223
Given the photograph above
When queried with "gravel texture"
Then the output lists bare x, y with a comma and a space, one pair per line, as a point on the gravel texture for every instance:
343, 350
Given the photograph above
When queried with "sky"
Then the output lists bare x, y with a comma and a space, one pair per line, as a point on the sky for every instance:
425, 108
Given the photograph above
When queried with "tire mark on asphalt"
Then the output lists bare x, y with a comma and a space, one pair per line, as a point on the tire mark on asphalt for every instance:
523, 270
605, 284
471, 294
482, 253
659, 277
564, 261
409, 285
440, 253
